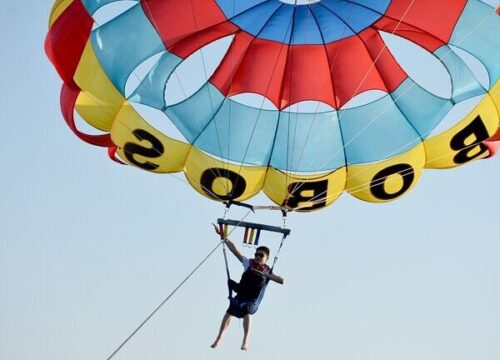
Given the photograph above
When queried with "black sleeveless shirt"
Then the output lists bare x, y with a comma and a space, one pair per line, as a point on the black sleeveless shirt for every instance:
252, 283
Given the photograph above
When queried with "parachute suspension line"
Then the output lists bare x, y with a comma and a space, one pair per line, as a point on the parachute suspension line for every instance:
233, 72
290, 159
134, 73
258, 116
332, 69
378, 116
362, 187
224, 234
384, 110
209, 191
228, 274
290, 24
216, 171
287, 170
275, 260
299, 185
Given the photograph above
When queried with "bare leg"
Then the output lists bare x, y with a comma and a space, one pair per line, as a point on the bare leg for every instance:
226, 320
247, 321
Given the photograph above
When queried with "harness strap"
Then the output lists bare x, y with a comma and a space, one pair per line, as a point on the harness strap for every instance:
275, 260
223, 226
223, 234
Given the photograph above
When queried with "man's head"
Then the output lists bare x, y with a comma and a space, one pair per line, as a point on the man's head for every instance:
262, 254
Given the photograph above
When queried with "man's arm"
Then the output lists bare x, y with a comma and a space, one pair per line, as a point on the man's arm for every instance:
230, 245
271, 276
275, 278
233, 249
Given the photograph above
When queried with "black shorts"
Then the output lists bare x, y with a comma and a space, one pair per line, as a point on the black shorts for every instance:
240, 307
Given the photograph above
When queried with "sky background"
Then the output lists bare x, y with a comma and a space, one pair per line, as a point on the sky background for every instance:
88, 248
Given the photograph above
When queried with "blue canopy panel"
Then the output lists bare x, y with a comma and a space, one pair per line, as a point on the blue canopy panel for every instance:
410, 97
376, 131
124, 43
308, 143
232, 8
357, 16
192, 115
332, 27
425, 110
268, 14
318, 23
151, 90
240, 134
305, 28
484, 41
277, 28
93, 5
464, 84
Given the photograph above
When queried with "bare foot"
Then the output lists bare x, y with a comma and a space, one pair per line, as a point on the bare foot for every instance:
244, 347
215, 344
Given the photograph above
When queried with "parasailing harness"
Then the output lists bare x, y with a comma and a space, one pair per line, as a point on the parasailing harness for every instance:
251, 238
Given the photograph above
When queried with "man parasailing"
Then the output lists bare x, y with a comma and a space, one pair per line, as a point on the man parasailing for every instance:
249, 290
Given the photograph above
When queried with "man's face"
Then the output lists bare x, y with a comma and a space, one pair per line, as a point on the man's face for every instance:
260, 257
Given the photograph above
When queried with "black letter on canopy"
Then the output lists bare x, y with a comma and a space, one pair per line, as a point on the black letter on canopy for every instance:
155, 151
209, 176
318, 192
377, 187
477, 129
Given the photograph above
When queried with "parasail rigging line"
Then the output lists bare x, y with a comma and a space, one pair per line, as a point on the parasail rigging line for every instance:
332, 68
289, 157
225, 165
384, 110
289, 28
134, 73
376, 118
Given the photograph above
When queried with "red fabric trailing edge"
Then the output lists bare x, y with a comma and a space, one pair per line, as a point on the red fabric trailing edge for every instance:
493, 147
68, 101
112, 155
67, 38
493, 144
496, 137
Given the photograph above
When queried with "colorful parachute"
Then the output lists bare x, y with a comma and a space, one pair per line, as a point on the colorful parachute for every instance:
301, 99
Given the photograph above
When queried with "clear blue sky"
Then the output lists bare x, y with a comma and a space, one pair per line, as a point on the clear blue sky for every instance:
89, 248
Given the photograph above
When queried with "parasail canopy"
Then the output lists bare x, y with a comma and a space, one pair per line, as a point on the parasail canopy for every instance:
300, 99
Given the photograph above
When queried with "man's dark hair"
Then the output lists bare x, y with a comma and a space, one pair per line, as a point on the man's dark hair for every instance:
264, 249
